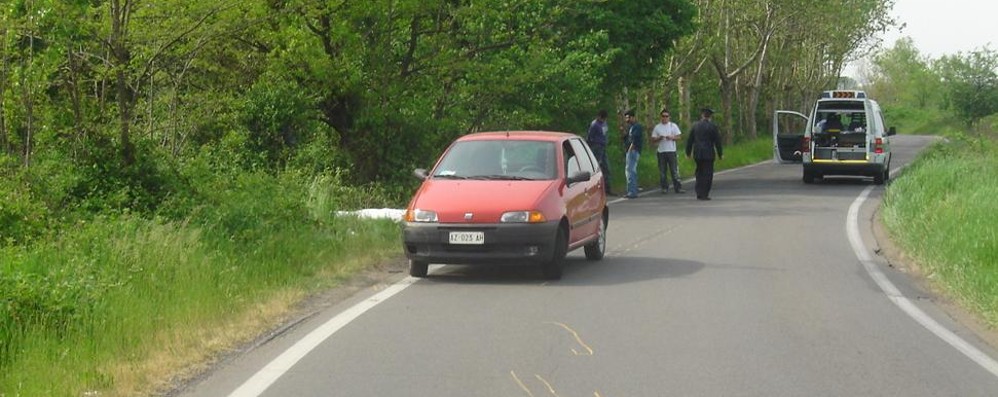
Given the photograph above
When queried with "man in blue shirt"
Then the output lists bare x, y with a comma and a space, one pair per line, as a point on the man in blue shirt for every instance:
633, 141
597, 140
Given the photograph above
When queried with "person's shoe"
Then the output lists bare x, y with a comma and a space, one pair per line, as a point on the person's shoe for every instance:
630, 197
679, 191
703, 198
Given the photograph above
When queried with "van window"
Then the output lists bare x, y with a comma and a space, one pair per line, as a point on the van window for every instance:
878, 121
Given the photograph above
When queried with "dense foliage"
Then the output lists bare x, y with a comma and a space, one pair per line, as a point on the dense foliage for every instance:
925, 95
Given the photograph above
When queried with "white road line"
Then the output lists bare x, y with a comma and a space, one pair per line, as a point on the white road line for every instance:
269, 374
862, 253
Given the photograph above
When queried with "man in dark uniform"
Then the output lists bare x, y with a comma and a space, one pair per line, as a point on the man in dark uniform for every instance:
597, 139
704, 139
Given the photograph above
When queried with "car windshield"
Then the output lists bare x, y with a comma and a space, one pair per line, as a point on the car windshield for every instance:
499, 160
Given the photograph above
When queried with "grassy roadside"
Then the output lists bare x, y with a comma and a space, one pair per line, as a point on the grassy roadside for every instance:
944, 215
120, 304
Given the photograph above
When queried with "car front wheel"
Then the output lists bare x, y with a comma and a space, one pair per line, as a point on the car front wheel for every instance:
552, 269
597, 249
418, 268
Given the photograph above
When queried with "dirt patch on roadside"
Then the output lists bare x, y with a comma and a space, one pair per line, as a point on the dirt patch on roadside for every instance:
902, 262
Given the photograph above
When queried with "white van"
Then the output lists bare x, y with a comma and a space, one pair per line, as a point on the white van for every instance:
844, 135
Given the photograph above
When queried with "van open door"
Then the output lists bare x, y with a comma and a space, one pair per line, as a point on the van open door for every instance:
788, 136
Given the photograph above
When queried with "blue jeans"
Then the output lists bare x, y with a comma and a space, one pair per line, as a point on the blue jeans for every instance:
631, 172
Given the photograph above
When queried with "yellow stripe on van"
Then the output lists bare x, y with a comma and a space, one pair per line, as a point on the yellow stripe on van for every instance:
839, 161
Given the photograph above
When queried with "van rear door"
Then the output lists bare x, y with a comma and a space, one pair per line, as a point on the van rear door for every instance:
788, 136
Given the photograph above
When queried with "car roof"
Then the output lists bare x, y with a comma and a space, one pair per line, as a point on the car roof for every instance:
550, 136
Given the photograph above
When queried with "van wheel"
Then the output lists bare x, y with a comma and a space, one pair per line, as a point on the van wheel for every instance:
552, 269
808, 176
596, 249
418, 268
880, 178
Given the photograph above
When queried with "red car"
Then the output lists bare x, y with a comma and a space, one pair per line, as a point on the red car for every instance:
508, 198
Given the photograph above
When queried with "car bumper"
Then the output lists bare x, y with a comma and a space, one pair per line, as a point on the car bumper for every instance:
511, 243
843, 168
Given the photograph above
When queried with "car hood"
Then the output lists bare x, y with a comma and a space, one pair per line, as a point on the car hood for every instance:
485, 200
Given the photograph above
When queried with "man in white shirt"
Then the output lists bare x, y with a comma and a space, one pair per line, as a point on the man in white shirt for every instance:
666, 134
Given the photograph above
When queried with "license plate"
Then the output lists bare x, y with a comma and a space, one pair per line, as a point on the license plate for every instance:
467, 237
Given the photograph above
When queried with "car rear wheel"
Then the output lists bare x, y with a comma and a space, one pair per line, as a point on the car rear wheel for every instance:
880, 177
596, 249
418, 268
552, 269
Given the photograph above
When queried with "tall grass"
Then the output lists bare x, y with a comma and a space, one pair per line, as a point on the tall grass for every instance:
944, 214
115, 304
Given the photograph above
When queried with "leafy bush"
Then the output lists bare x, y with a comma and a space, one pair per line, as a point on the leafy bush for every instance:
22, 217
943, 213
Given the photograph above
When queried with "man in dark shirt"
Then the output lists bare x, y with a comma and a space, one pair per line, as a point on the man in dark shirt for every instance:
704, 139
632, 143
597, 140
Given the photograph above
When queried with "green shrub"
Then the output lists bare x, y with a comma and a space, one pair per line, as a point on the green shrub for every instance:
944, 214
22, 217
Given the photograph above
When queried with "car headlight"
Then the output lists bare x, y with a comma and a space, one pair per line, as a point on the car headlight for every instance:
418, 215
522, 217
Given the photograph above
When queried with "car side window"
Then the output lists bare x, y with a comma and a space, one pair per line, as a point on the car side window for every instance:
585, 163
593, 160
571, 160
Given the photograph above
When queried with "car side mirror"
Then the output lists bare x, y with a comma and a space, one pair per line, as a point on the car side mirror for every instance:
420, 174
580, 176
892, 131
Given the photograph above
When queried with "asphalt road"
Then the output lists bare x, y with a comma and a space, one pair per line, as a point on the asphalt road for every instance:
756, 293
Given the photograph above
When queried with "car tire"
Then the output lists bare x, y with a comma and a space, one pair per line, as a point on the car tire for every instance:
552, 269
597, 249
808, 176
880, 177
418, 268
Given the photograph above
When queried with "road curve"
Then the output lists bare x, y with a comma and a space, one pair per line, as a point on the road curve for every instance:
756, 293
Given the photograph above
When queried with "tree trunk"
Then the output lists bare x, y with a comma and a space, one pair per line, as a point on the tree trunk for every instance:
684, 102
29, 106
119, 24
754, 89
4, 148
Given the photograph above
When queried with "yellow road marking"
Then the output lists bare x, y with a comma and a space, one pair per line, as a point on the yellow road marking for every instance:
550, 389
519, 382
589, 350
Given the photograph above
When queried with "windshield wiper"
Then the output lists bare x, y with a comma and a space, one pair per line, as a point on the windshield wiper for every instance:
504, 178
452, 176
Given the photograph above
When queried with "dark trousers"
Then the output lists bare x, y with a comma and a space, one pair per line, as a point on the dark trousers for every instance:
705, 177
668, 164
600, 152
